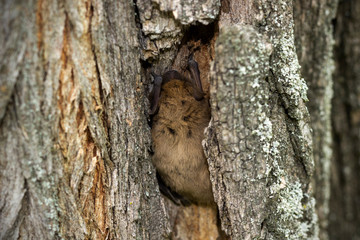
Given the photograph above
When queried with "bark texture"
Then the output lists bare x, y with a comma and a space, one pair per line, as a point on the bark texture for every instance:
259, 142
30, 162
345, 182
74, 134
237, 129
314, 45
163, 23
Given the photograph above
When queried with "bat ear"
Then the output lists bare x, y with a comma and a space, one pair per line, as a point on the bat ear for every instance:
155, 93
157, 79
195, 78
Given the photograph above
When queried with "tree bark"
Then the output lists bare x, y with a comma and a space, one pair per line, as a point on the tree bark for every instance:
74, 134
314, 44
75, 139
345, 183
260, 144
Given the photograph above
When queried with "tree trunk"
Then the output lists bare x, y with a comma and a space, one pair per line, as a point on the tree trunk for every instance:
260, 144
74, 134
75, 139
345, 185
314, 45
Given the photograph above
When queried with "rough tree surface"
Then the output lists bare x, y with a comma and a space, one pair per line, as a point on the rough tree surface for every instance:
314, 45
75, 141
74, 134
260, 139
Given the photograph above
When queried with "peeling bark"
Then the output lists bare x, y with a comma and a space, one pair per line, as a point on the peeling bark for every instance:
163, 24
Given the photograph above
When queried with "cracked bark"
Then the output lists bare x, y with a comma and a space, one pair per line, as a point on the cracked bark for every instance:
259, 142
74, 134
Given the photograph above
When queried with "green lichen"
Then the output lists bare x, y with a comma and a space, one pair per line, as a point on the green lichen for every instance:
251, 140
292, 214
286, 76
244, 134
284, 62
289, 221
287, 68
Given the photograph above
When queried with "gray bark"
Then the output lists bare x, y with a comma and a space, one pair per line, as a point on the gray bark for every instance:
240, 132
74, 136
259, 141
314, 45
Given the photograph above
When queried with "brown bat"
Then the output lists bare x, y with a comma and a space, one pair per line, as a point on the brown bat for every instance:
180, 114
